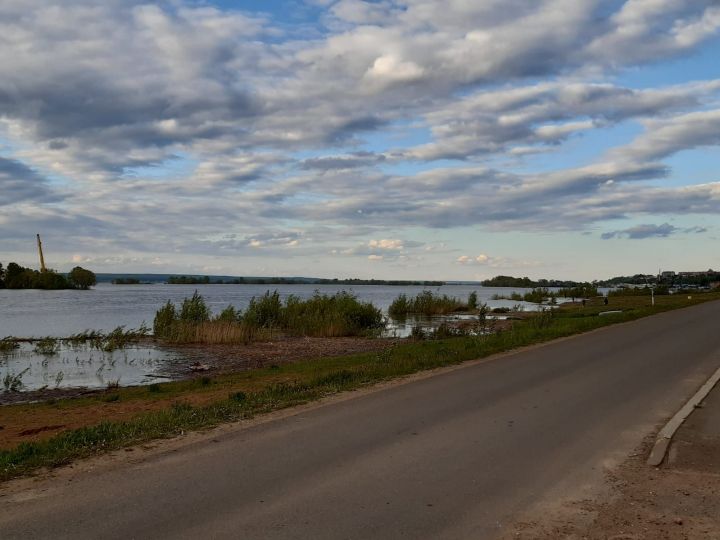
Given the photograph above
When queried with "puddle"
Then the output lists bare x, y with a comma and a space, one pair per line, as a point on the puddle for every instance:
404, 328
83, 367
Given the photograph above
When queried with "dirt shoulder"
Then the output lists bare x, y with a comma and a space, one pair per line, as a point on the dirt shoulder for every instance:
680, 500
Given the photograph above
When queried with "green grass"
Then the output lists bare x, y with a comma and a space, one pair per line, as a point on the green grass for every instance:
426, 303
322, 315
292, 384
8, 345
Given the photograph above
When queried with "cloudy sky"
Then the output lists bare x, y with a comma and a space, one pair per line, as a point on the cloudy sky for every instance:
454, 139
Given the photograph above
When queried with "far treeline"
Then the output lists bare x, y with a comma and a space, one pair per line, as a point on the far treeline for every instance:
510, 281
671, 279
205, 280
19, 277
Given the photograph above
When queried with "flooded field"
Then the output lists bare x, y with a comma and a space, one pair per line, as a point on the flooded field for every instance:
26, 369
33, 314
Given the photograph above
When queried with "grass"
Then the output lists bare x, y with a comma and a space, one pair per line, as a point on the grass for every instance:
8, 345
216, 332
118, 338
322, 315
427, 303
12, 382
242, 395
47, 346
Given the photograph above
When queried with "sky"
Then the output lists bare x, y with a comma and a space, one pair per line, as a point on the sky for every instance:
390, 139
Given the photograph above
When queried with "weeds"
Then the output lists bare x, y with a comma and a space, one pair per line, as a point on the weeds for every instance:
8, 345
425, 303
47, 346
119, 338
340, 314
12, 382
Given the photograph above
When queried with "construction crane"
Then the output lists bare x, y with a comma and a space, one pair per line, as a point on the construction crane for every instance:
42, 259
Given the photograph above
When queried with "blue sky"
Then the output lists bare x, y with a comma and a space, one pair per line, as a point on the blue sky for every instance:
346, 138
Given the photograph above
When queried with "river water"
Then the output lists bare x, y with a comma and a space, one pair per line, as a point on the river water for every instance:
35, 314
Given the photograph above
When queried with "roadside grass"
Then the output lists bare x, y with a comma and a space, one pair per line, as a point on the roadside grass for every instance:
207, 402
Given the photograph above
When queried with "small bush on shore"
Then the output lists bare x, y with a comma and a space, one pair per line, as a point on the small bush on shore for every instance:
165, 318
194, 309
425, 303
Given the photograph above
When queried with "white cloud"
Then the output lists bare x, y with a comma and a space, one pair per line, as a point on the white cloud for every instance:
131, 126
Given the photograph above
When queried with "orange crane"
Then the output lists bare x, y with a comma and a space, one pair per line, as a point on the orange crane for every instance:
42, 259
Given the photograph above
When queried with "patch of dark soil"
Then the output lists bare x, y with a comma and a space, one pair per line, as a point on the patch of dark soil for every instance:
35, 431
233, 358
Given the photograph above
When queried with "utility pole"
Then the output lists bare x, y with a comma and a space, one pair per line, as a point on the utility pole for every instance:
42, 259
652, 290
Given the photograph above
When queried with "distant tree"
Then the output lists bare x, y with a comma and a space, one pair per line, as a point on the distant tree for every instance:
48, 280
2, 277
80, 278
17, 277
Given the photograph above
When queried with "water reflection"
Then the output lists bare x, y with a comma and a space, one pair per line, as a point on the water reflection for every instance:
470, 323
24, 369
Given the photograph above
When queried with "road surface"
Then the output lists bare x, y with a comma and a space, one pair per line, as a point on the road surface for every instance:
457, 455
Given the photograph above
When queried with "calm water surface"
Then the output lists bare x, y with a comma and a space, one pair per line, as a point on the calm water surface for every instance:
83, 366
34, 313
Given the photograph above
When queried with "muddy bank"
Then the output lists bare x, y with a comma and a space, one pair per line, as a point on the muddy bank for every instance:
208, 360
220, 359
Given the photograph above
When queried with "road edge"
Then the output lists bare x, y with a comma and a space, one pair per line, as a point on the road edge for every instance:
665, 435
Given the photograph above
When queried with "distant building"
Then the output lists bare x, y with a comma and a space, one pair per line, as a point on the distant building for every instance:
710, 272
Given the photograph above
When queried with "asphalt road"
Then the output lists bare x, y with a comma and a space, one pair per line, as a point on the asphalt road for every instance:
457, 455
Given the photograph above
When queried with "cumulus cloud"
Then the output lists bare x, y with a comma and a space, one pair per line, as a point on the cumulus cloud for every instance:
18, 182
222, 131
667, 136
481, 259
389, 249
546, 113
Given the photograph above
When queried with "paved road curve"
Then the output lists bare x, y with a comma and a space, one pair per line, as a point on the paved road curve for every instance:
457, 455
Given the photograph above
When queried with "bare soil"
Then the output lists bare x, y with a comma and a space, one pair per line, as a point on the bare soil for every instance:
234, 358
680, 500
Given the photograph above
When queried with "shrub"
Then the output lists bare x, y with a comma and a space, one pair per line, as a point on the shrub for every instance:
165, 317
229, 314
8, 345
472, 302
340, 314
537, 296
265, 311
400, 307
194, 309
425, 303
47, 346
